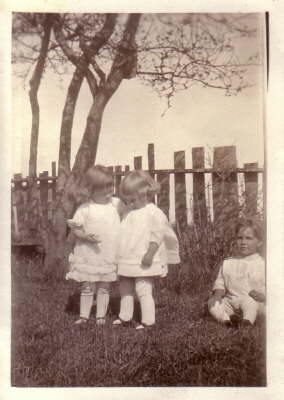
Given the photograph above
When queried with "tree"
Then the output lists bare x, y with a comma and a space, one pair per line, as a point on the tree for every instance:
168, 52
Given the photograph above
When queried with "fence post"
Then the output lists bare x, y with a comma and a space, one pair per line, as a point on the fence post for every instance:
225, 187
117, 169
53, 172
43, 187
151, 165
53, 188
180, 191
199, 198
138, 162
163, 197
251, 186
18, 205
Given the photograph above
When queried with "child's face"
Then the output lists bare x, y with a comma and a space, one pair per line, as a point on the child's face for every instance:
134, 202
247, 243
102, 195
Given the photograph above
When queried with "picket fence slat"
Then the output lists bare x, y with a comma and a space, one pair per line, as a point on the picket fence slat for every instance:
138, 162
151, 165
117, 168
163, 197
251, 188
199, 197
225, 184
44, 194
180, 190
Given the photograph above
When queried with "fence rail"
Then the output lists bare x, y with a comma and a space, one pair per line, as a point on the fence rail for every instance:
213, 198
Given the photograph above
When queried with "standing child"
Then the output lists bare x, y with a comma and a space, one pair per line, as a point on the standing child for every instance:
93, 260
146, 244
240, 284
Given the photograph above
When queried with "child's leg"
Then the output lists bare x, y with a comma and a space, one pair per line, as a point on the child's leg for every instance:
249, 307
222, 310
86, 299
144, 289
126, 287
103, 289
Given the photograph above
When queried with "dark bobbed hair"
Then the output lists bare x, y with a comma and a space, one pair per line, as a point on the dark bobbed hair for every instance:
253, 223
98, 177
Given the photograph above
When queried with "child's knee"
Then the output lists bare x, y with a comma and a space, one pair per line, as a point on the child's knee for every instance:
87, 288
217, 311
247, 302
143, 288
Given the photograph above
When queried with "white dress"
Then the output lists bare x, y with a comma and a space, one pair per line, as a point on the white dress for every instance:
137, 230
93, 262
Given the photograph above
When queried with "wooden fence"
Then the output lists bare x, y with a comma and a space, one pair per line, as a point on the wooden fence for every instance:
206, 199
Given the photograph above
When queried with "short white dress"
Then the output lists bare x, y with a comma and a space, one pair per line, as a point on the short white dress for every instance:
94, 262
137, 230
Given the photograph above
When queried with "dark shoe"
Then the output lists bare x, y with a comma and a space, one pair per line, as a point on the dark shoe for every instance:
228, 324
143, 326
120, 323
235, 319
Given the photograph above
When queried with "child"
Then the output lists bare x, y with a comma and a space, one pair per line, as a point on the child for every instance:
145, 236
240, 284
93, 261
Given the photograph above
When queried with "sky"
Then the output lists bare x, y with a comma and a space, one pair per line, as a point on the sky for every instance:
135, 116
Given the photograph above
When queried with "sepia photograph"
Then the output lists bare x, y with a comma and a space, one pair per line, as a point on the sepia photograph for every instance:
151, 125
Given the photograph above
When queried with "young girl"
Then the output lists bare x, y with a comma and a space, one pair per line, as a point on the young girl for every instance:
146, 244
240, 284
93, 261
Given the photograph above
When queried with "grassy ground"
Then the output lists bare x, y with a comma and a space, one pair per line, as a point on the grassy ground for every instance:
186, 348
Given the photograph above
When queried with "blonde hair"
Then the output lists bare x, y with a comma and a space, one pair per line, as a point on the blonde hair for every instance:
138, 182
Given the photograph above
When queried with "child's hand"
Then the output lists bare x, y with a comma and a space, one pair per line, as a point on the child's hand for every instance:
149, 255
147, 260
257, 296
92, 237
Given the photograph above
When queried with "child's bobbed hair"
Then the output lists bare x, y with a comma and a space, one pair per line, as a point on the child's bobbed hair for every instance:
98, 177
138, 182
253, 223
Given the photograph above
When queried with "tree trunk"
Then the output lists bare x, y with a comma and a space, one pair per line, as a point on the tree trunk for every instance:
66, 130
34, 86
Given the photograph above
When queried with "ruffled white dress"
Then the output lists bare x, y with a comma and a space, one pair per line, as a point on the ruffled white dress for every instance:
93, 262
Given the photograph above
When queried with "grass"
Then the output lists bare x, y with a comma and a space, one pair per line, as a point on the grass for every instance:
186, 348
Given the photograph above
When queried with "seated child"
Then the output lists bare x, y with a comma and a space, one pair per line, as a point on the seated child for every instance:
240, 284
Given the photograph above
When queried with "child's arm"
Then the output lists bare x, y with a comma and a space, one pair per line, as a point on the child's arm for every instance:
79, 232
257, 296
90, 237
150, 253
258, 293
157, 229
